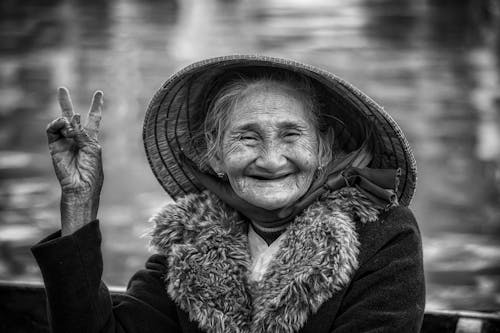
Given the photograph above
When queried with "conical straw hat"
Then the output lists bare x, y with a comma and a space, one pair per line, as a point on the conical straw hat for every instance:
181, 101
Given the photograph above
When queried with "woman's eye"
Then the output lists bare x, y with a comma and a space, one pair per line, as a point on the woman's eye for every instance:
248, 137
291, 135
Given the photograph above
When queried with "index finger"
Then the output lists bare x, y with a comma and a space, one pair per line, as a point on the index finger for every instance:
65, 102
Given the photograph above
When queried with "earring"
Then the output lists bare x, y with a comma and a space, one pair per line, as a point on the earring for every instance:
220, 174
320, 168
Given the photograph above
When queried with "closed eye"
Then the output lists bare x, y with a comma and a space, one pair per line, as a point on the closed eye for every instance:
248, 137
291, 135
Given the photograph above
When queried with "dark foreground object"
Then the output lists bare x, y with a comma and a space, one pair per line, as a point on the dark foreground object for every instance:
23, 309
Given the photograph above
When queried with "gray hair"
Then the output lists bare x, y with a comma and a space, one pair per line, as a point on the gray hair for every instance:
227, 97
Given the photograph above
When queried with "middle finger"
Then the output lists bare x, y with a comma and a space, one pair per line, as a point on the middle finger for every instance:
95, 114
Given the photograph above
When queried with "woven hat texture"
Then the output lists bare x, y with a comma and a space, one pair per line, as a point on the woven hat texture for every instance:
181, 103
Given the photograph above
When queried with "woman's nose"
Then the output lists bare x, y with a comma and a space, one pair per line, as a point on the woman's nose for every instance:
271, 158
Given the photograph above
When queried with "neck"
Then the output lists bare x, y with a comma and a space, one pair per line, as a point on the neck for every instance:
269, 234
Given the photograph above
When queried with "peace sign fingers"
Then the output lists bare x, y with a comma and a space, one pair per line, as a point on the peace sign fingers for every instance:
94, 116
65, 102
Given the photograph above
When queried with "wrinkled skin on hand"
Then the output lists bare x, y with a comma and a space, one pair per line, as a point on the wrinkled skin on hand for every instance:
76, 156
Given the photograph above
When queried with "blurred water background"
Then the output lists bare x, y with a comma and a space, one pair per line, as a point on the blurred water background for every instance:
433, 64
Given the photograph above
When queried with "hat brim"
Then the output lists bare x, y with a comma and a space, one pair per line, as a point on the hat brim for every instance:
169, 119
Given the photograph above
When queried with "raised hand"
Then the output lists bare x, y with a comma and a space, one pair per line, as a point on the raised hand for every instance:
76, 156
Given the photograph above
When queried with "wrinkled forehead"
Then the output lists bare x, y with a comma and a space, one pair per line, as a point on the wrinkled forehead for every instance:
273, 95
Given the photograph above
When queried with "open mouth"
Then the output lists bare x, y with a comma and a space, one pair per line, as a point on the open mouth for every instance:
268, 178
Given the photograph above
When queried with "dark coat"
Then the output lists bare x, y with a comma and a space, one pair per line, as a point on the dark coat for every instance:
342, 267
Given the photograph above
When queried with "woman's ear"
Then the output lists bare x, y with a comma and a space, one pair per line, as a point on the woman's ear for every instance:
216, 163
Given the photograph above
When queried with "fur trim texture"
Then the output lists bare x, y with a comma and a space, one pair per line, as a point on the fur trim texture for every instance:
206, 245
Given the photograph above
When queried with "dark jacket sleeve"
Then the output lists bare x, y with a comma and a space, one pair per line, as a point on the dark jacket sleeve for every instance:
79, 301
387, 293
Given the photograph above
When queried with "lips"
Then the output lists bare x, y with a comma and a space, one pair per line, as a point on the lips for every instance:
268, 177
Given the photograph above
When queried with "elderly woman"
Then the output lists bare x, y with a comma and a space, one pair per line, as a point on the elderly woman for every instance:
290, 215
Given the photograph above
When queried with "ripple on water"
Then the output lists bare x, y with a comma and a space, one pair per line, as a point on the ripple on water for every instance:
19, 233
461, 265
15, 159
28, 193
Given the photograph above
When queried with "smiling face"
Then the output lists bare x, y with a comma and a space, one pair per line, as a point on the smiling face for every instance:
269, 147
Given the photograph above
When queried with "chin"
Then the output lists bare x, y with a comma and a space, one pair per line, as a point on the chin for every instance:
271, 203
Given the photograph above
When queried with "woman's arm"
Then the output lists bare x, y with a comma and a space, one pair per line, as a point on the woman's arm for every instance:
387, 293
79, 301
71, 260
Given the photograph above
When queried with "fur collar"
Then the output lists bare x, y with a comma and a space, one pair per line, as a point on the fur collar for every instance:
206, 246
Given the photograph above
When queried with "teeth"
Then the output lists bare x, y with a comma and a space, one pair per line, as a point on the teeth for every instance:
269, 178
